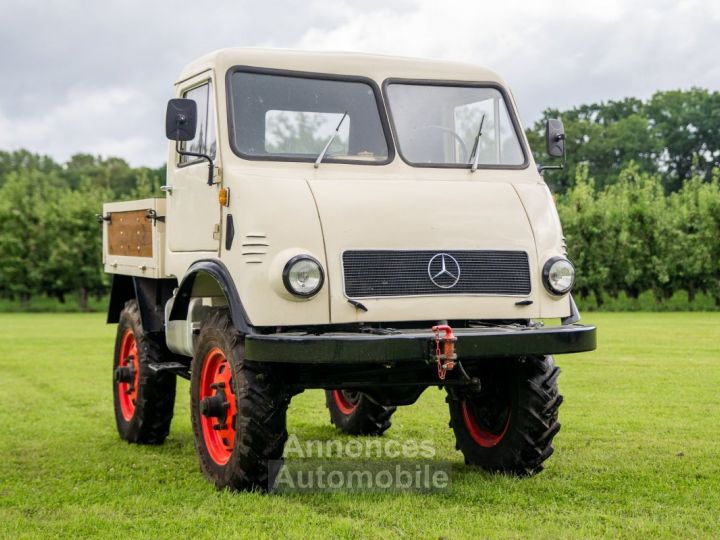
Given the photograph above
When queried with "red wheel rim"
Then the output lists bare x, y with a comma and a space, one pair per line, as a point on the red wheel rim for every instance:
480, 434
215, 380
343, 402
127, 392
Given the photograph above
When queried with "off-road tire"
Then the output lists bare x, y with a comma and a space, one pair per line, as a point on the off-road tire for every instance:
355, 414
517, 444
259, 422
152, 410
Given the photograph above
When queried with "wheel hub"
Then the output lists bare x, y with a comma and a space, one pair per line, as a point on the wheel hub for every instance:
125, 374
215, 406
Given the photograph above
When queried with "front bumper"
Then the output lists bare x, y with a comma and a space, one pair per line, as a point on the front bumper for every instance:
417, 345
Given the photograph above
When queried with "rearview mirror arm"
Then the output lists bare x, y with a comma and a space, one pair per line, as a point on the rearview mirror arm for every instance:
542, 168
211, 166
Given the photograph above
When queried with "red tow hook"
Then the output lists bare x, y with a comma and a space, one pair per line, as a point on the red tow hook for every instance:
445, 359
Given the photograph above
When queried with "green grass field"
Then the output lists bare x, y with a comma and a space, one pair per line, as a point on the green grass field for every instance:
638, 454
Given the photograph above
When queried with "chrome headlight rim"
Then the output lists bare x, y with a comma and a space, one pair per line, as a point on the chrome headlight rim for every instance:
546, 276
286, 276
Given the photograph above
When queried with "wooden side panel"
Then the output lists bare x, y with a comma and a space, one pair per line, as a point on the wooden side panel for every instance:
130, 234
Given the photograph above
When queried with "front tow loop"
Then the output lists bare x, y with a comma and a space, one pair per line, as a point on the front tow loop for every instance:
445, 357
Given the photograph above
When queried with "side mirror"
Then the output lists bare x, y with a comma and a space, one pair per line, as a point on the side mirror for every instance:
181, 125
181, 120
555, 135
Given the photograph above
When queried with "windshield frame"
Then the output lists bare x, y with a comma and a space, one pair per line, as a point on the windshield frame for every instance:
509, 105
377, 93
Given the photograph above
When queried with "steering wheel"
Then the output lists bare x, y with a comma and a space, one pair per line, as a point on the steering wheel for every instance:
463, 147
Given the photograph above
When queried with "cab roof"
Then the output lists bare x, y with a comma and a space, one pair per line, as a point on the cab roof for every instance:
374, 66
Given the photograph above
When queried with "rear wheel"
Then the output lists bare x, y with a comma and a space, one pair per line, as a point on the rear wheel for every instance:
355, 414
509, 425
238, 410
143, 399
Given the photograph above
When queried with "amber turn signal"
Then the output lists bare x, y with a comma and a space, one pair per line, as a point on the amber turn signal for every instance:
224, 196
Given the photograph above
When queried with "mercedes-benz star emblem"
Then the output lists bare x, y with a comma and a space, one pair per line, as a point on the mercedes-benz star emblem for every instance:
444, 271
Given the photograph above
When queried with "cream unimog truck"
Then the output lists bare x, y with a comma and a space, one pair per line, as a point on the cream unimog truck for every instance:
366, 225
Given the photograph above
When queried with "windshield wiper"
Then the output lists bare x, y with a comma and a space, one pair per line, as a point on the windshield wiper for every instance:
332, 138
476, 148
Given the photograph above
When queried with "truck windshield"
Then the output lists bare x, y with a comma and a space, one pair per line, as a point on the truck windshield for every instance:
291, 118
454, 126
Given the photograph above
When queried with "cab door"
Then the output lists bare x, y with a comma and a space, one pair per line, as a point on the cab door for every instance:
193, 212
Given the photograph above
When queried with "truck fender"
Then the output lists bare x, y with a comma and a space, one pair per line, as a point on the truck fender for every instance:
151, 295
218, 272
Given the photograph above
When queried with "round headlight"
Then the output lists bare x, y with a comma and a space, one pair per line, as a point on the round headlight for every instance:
558, 275
303, 276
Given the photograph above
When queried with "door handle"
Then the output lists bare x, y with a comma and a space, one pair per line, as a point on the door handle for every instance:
167, 189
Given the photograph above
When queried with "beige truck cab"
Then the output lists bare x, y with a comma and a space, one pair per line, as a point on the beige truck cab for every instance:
367, 225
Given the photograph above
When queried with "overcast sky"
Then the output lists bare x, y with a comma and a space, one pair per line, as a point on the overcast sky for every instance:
88, 76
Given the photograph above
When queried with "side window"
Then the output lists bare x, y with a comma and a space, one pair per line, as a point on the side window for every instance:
205, 141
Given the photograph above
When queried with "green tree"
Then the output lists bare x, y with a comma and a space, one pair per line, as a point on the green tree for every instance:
24, 161
688, 124
74, 259
113, 174
694, 243
585, 230
24, 236
606, 136
637, 218
675, 134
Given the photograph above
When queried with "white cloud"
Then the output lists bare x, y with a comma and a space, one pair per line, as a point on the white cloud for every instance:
553, 54
93, 121
95, 77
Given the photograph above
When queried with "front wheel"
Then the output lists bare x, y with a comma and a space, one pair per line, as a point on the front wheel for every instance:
355, 414
238, 410
509, 425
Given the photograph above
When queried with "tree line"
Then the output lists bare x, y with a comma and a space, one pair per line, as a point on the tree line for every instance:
673, 134
50, 243
639, 201
639, 198
631, 236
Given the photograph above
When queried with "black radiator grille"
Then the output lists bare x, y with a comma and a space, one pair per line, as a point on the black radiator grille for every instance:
371, 273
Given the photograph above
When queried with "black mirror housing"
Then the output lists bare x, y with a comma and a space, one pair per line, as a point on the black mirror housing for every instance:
555, 135
181, 120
